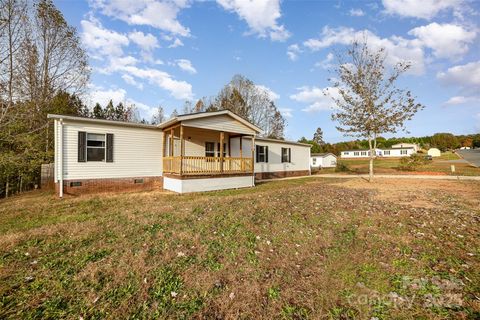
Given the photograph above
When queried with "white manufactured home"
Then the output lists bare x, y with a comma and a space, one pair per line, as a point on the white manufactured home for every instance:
385, 153
323, 160
188, 153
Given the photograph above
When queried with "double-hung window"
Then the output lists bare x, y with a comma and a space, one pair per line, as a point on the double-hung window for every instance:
262, 153
356, 153
95, 147
386, 152
364, 153
403, 151
209, 149
286, 153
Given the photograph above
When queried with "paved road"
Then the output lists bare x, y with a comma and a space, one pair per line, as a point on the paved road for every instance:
472, 156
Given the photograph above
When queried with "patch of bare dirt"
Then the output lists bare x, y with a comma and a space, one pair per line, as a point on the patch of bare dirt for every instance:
418, 192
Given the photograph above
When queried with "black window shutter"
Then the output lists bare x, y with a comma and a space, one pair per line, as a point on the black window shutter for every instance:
289, 154
82, 146
109, 147
256, 153
266, 154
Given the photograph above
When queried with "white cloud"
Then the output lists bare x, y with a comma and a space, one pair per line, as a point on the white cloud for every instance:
446, 40
130, 80
186, 65
260, 15
425, 9
293, 51
356, 12
398, 48
100, 41
456, 100
319, 99
176, 43
178, 89
272, 95
286, 112
466, 77
98, 95
326, 63
155, 13
146, 42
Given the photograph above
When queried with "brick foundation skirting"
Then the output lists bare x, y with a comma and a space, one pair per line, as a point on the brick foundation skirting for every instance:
110, 185
281, 174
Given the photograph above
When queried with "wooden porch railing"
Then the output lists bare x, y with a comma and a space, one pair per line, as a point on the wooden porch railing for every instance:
190, 165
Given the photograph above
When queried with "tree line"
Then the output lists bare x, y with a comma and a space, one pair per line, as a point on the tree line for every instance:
442, 141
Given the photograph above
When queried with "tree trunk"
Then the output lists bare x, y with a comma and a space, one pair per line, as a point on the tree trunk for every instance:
370, 166
6, 189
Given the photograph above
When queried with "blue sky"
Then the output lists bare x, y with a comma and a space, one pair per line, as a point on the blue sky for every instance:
152, 52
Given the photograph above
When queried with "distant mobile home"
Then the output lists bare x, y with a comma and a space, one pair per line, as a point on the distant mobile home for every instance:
188, 153
386, 153
323, 160
415, 146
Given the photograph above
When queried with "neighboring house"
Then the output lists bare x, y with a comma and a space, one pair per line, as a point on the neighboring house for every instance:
323, 160
434, 152
189, 153
385, 153
415, 146
358, 153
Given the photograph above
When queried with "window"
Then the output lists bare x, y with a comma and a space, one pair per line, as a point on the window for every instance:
364, 153
286, 153
95, 147
262, 153
356, 153
224, 150
345, 153
333, 162
386, 152
403, 151
314, 161
209, 149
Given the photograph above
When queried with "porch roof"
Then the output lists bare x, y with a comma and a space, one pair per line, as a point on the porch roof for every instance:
199, 115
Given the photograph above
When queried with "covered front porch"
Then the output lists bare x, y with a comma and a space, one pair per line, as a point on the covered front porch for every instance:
192, 149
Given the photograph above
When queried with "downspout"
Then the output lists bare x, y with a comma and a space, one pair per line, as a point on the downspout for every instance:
60, 157
253, 160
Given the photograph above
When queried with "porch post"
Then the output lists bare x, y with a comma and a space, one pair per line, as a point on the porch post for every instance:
171, 142
242, 162
221, 151
182, 144
253, 154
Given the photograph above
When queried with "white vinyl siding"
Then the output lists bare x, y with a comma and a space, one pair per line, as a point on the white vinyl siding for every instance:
325, 161
300, 157
219, 123
136, 152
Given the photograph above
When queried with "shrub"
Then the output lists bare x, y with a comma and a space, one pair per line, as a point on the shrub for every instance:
412, 163
342, 167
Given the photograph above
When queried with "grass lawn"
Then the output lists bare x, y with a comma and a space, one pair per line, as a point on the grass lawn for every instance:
294, 249
438, 165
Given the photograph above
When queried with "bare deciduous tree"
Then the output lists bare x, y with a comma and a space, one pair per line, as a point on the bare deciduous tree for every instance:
253, 103
369, 101
159, 116
12, 22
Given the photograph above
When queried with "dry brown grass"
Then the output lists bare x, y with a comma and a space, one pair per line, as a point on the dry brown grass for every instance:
305, 248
